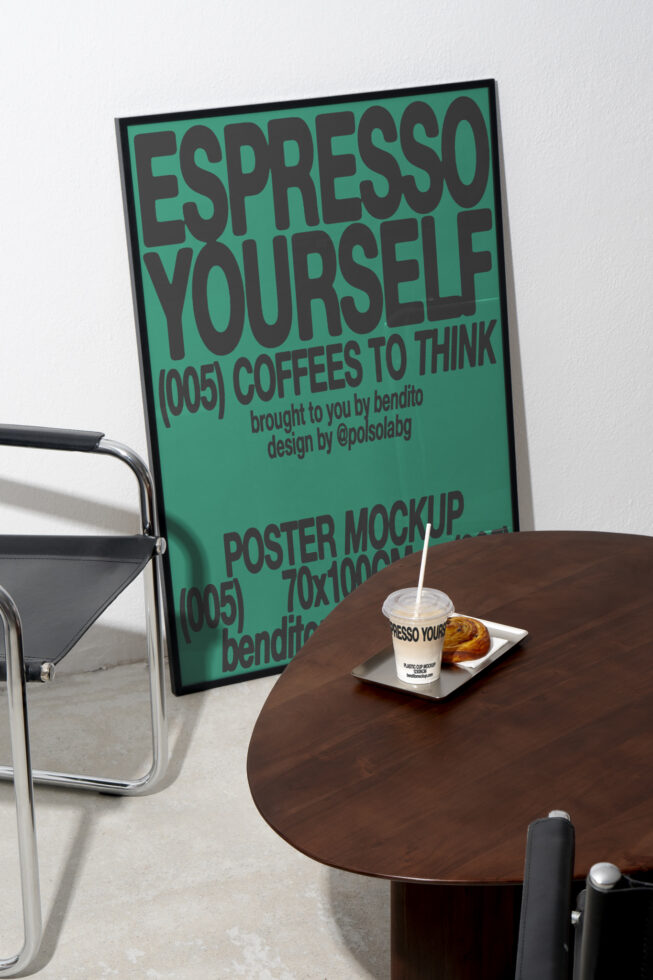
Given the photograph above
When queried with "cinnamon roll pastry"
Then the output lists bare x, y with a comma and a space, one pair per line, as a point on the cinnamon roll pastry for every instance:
464, 639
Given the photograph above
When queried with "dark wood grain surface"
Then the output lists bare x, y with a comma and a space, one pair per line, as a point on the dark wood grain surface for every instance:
382, 783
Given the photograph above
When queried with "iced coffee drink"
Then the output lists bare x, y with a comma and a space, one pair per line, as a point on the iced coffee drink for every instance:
418, 632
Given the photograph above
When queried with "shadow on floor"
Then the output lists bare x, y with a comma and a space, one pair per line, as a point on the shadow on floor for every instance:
184, 715
360, 907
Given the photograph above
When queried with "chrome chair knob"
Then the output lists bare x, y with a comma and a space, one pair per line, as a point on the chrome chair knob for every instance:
604, 875
47, 673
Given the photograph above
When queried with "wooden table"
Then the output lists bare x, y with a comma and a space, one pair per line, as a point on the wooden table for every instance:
437, 796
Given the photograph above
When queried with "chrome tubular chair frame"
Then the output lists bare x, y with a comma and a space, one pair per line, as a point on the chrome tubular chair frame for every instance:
22, 773
23, 791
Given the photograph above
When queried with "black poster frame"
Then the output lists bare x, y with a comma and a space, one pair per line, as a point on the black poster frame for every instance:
151, 403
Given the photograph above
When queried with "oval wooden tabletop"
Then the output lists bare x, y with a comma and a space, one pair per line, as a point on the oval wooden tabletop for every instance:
383, 783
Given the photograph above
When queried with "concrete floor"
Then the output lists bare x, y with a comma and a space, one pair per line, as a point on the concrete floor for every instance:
189, 882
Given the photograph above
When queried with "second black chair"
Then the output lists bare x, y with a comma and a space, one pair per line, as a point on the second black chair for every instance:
609, 936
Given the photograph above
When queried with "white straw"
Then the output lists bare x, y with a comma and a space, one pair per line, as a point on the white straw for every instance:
423, 565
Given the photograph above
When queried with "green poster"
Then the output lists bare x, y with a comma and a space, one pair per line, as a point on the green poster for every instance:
320, 299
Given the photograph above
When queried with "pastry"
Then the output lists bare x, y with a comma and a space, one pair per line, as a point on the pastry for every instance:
464, 639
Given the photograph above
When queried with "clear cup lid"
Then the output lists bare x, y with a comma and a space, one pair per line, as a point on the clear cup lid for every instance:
402, 605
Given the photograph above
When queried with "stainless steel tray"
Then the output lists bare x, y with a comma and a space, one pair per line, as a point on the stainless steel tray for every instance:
380, 669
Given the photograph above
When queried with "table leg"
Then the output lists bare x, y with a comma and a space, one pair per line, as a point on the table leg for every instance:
454, 932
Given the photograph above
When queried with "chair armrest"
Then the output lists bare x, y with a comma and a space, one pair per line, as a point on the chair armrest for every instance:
616, 926
79, 440
38, 437
545, 922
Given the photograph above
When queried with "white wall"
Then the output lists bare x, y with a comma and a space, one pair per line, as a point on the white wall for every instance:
574, 91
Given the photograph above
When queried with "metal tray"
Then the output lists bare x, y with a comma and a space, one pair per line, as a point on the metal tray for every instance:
380, 669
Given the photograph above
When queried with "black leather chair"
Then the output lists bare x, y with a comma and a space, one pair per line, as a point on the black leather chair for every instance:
609, 936
52, 589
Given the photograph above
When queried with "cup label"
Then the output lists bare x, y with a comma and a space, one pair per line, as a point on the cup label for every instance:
419, 671
417, 634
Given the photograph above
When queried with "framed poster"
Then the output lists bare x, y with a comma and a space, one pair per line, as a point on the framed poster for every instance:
320, 298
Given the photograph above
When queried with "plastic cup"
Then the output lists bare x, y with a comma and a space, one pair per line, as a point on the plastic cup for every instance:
418, 632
